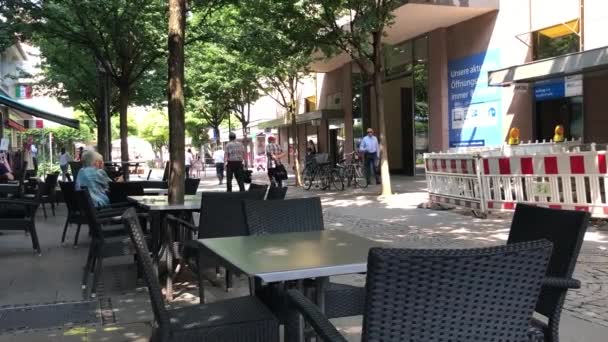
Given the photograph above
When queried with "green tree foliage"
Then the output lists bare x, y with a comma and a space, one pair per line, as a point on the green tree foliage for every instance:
127, 39
155, 130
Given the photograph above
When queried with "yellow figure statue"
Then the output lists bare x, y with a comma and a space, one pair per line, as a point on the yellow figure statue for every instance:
513, 136
559, 134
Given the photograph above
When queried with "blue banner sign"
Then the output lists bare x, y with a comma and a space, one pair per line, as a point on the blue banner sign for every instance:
474, 108
549, 89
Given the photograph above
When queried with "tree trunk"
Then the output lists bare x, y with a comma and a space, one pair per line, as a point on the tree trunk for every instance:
245, 144
123, 107
177, 28
296, 145
379, 92
216, 133
103, 141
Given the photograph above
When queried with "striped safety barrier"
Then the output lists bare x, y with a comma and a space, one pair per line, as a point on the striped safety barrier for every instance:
564, 180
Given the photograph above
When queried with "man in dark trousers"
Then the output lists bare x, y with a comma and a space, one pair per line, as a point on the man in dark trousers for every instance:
371, 150
234, 154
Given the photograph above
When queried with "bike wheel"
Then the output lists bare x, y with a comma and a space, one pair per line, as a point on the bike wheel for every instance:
307, 178
359, 177
337, 182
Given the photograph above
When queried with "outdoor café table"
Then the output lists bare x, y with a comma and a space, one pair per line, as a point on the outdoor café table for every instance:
158, 207
294, 256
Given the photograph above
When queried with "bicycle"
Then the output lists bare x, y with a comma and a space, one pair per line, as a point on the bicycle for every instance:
351, 169
318, 171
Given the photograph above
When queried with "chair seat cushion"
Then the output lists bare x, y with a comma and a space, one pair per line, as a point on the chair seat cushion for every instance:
226, 314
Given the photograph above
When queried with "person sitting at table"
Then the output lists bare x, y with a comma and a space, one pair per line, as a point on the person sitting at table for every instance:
5, 170
93, 177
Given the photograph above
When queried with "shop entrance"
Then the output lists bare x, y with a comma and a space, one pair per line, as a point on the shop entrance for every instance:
566, 111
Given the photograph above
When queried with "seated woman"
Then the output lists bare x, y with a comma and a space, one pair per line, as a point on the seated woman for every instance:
93, 177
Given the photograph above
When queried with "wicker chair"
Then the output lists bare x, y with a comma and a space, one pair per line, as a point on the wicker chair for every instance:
469, 295
75, 166
566, 230
241, 319
300, 215
48, 193
107, 241
276, 193
74, 215
119, 191
20, 214
191, 186
221, 216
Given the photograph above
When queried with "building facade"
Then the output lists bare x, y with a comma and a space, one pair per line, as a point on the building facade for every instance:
463, 73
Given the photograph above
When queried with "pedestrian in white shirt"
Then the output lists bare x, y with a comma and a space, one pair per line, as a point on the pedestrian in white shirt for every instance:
371, 154
64, 160
189, 160
218, 159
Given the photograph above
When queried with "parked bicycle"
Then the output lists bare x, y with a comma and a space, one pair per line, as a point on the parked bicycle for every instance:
319, 173
351, 170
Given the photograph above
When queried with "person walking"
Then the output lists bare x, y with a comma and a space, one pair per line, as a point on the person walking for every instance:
371, 154
189, 161
64, 160
274, 153
218, 159
234, 155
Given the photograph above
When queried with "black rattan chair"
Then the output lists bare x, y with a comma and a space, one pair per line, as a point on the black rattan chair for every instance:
566, 230
241, 319
49, 192
74, 216
300, 215
258, 187
119, 191
191, 186
75, 166
469, 295
276, 193
20, 215
106, 242
221, 216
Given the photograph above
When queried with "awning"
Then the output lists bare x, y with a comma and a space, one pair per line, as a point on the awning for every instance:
566, 65
304, 118
9, 102
15, 125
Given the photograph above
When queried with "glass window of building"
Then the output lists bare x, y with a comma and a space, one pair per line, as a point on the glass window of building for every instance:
421, 102
398, 58
557, 40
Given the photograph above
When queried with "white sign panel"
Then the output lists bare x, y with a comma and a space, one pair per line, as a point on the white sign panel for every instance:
573, 85
4, 144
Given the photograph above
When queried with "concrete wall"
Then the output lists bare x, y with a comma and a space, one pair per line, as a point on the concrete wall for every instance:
438, 90
595, 24
595, 107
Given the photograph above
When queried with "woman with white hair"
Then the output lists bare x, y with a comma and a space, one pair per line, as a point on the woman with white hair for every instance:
93, 177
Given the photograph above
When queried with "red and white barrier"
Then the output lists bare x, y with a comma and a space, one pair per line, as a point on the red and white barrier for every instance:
566, 180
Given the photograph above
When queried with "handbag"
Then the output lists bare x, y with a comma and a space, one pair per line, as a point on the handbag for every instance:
247, 176
280, 173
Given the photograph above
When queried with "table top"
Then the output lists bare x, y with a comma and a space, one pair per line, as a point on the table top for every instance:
161, 202
292, 256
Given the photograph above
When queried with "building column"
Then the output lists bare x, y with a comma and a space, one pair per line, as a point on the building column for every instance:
347, 107
438, 90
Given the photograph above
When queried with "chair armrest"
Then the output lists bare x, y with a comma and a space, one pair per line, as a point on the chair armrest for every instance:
122, 205
110, 212
183, 223
314, 316
561, 283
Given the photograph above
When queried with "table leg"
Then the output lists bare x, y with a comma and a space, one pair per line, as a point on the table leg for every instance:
169, 248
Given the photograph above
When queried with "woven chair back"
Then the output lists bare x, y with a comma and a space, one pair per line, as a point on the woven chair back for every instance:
469, 295
292, 215
565, 229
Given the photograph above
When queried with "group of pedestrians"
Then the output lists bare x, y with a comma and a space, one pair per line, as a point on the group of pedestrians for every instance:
232, 157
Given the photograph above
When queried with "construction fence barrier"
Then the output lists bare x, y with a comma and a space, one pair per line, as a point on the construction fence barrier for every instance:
570, 179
